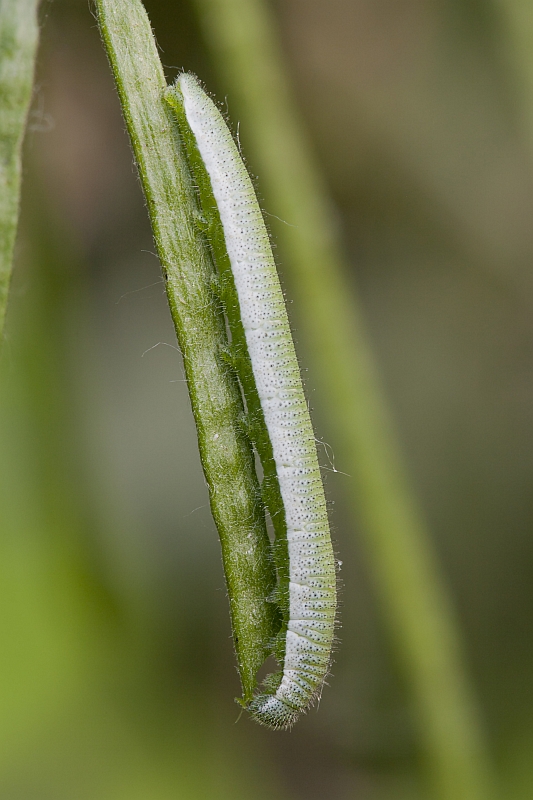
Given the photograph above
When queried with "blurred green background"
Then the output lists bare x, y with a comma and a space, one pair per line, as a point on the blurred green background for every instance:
117, 674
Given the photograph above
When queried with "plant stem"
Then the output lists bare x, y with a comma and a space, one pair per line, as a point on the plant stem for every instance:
412, 592
19, 35
226, 452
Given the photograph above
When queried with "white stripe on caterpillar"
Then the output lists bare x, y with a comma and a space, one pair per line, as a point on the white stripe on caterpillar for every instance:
312, 580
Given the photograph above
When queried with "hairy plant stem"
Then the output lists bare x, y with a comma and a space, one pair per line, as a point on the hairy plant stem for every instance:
19, 35
225, 449
411, 588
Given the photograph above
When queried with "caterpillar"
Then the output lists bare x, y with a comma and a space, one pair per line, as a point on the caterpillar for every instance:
280, 427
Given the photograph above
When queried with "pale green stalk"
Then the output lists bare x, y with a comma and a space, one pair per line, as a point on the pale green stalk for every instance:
19, 34
226, 452
413, 595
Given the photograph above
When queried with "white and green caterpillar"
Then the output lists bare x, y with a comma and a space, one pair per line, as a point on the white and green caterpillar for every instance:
304, 557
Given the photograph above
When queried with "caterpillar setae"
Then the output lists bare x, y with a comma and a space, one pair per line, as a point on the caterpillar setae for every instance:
280, 426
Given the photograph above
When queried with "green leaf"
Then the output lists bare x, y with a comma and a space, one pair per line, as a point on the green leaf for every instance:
225, 449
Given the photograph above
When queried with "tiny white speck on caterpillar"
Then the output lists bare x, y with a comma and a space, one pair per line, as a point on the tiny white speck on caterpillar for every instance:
309, 629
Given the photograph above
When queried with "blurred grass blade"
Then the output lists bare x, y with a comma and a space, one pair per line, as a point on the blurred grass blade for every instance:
18, 44
516, 17
412, 591
226, 452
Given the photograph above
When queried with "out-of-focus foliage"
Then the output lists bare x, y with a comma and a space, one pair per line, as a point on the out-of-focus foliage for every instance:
116, 669
18, 45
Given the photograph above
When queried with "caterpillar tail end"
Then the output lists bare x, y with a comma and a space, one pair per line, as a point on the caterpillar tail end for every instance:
269, 710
